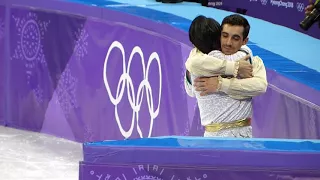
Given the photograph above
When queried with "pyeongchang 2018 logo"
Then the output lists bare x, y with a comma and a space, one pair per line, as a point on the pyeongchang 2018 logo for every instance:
135, 98
215, 3
281, 3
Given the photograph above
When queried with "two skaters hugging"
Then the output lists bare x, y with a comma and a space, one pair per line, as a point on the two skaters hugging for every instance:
223, 75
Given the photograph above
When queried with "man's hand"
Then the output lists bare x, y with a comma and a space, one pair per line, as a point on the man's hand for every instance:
206, 85
309, 8
245, 68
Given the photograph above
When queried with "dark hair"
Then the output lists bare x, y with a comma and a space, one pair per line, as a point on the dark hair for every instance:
204, 34
237, 20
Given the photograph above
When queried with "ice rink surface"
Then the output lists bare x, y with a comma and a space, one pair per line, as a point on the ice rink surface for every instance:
33, 156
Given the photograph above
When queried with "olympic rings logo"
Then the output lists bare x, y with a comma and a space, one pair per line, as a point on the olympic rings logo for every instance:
300, 6
125, 82
264, 2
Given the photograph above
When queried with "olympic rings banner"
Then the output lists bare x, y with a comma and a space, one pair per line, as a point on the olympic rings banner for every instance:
288, 13
90, 80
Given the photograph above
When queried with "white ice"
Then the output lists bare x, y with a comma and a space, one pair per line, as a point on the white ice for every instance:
33, 156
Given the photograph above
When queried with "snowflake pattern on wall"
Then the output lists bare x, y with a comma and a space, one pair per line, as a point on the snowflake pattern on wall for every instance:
186, 129
88, 134
182, 79
38, 93
66, 91
183, 90
30, 31
1, 28
81, 43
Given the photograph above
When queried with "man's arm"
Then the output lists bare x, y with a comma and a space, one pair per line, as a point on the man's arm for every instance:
249, 87
200, 64
236, 88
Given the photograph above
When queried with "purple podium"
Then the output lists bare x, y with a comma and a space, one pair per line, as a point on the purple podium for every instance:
187, 158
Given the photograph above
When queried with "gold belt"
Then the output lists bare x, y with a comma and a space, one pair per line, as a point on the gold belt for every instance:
215, 127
